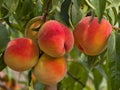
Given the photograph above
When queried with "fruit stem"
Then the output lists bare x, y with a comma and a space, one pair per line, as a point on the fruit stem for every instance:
46, 11
116, 28
51, 87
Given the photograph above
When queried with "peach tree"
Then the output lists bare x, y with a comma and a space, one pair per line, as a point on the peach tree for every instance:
60, 44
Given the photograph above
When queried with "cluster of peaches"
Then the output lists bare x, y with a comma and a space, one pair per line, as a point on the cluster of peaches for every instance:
54, 40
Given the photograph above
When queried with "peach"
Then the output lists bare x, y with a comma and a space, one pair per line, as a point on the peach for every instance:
91, 36
55, 39
21, 54
50, 70
33, 24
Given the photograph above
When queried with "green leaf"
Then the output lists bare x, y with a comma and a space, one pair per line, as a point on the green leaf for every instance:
64, 11
24, 12
113, 62
11, 5
114, 3
69, 83
100, 6
75, 52
2, 63
29, 77
1, 2
112, 15
74, 12
97, 77
4, 13
118, 20
4, 37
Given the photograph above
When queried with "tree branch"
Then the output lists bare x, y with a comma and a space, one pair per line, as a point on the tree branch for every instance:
116, 28
46, 11
76, 79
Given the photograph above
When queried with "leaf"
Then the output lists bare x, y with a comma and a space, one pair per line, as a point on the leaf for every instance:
97, 77
24, 12
11, 5
74, 12
2, 63
75, 52
68, 83
4, 13
118, 20
56, 3
1, 2
113, 62
64, 11
4, 37
114, 3
100, 6
112, 15
29, 77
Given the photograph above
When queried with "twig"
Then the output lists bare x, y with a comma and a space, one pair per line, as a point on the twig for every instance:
76, 79
45, 15
46, 10
116, 28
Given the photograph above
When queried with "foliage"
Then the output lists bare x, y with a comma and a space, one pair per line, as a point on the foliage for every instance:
92, 71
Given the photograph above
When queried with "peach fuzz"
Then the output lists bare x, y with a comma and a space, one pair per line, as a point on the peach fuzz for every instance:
50, 70
55, 39
21, 54
91, 36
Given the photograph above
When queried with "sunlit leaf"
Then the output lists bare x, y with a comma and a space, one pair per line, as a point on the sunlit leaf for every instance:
100, 6
11, 5
113, 62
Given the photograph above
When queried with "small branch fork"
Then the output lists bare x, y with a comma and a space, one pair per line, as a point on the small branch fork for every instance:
76, 79
116, 28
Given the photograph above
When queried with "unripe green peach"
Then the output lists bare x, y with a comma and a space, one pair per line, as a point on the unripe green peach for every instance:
91, 36
21, 54
50, 70
55, 39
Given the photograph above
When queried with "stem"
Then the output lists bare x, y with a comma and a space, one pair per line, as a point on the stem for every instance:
46, 11
76, 79
51, 87
45, 15
116, 28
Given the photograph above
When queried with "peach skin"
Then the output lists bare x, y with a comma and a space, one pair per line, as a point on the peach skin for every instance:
50, 70
91, 36
55, 39
21, 54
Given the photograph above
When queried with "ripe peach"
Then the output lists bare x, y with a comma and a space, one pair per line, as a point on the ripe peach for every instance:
55, 39
91, 36
33, 24
50, 70
21, 54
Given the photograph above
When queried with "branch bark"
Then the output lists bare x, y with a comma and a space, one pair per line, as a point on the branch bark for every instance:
76, 79
116, 28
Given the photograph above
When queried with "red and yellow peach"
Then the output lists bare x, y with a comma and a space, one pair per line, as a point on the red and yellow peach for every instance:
21, 54
50, 70
91, 36
55, 39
